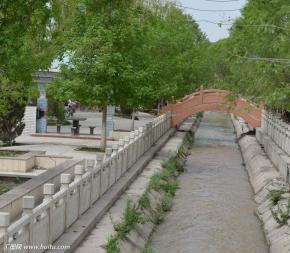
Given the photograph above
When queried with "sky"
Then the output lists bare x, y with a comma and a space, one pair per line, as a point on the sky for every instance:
213, 31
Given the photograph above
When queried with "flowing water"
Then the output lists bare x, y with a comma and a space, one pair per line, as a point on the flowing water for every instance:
213, 211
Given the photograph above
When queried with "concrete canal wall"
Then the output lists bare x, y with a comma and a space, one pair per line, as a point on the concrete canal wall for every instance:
267, 166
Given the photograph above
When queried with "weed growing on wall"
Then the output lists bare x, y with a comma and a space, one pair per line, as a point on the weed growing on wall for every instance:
165, 185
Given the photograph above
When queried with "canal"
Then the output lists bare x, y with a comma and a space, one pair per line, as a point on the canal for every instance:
213, 210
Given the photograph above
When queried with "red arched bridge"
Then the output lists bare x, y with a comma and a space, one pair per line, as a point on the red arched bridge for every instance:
212, 99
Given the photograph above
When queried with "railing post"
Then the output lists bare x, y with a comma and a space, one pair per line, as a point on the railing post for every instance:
127, 148
65, 180
28, 203
90, 164
115, 160
141, 141
150, 135
121, 160
4, 222
131, 149
107, 157
79, 171
48, 191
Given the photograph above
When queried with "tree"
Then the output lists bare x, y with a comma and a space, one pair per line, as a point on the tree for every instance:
98, 43
130, 54
24, 35
256, 57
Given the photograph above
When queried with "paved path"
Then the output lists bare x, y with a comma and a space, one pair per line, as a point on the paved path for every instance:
214, 209
69, 146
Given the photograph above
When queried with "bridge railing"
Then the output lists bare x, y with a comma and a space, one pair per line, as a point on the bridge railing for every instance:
277, 129
40, 225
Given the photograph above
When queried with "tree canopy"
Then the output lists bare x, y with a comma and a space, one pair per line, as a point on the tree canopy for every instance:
130, 53
26, 31
255, 60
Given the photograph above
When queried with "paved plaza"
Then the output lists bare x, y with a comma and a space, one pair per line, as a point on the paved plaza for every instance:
69, 146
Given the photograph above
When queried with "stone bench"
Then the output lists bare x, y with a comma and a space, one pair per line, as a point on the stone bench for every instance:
58, 128
74, 131
91, 129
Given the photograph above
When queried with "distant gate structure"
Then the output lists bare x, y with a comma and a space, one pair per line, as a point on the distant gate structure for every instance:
213, 99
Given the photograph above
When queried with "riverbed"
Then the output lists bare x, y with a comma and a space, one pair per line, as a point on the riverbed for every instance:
213, 210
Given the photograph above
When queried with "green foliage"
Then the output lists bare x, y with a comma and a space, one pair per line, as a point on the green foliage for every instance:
112, 245
26, 34
282, 217
12, 106
166, 202
131, 217
247, 63
158, 217
144, 201
127, 53
9, 153
276, 196
147, 250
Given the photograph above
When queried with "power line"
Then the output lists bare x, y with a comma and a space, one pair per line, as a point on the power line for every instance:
223, 1
213, 22
221, 23
205, 10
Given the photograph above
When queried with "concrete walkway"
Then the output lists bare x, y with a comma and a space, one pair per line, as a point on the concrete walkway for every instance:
69, 146
214, 209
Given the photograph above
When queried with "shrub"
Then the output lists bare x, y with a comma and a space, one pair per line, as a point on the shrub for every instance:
113, 245
276, 196
13, 99
167, 202
144, 201
131, 217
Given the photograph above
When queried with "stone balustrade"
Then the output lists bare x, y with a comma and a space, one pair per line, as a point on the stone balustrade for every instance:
277, 130
40, 225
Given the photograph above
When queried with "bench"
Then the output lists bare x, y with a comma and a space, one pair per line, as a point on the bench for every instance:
58, 128
74, 131
92, 130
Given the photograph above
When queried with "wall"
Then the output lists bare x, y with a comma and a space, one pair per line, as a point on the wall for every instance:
29, 120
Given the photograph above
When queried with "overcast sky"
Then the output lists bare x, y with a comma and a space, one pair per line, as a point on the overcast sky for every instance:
213, 31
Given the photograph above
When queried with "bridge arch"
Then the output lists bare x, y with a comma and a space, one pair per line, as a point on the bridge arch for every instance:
213, 99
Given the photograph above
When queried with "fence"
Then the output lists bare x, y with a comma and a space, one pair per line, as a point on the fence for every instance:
277, 129
41, 225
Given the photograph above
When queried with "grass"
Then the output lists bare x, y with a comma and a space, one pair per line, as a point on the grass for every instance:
144, 201
147, 250
276, 196
131, 217
167, 202
112, 245
8, 153
199, 115
89, 149
8, 183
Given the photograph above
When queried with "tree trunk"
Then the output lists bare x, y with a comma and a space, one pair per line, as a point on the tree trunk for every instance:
133, 120
104, 129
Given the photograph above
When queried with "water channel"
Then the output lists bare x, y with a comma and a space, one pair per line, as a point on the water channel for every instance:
213, 211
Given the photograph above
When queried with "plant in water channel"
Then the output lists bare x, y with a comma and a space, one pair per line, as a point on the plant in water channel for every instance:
280, 216
112, 245
276, 196
131, 217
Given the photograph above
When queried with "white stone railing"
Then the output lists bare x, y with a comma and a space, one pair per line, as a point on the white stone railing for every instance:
277, 129
40, 225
